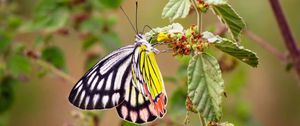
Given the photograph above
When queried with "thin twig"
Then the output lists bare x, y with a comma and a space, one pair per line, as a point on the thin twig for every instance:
56, 71
264, 44
289, 40
201, 120
221, 29
198, 16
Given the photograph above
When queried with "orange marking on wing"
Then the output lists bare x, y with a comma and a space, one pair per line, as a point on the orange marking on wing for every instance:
159, 105
146, 89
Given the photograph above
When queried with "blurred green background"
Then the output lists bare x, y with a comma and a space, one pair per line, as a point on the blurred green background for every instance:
263, 96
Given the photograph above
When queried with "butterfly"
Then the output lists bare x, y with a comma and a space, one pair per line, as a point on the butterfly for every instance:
127, 79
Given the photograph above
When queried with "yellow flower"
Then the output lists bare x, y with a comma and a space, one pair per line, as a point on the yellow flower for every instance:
162, 36
201, 6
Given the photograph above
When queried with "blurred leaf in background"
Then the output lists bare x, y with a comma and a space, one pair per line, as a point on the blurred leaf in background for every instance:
55, 56
18, 65
7, 85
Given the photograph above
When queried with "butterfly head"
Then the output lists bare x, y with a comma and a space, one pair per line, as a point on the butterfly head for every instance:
140, 39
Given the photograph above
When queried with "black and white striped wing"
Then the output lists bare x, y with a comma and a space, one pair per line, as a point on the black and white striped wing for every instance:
136, 107
103, 86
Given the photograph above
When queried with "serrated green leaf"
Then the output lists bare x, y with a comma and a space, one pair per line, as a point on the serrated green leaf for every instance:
231, 19
206, 86
239, 52
176, 9
6, 93
18, 64
55, 56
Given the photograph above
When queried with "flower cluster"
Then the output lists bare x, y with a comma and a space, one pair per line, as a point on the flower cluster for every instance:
185, 42
202, 6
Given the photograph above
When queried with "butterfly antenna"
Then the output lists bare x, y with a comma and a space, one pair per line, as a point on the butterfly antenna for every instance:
129, 20
147, 26
136, 15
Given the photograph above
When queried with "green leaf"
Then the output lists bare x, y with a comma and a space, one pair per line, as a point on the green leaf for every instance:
176, 9
126, 123
55, 56
49, 16
6, 93
231, 19
18, 64
239, 52
206, 86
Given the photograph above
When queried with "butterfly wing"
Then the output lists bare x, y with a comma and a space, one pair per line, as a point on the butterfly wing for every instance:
103, 86
148, 79
136, 108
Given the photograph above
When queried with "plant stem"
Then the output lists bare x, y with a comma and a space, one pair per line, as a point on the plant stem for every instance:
55, 70
201, 120
198, 16
264, 44
289, 40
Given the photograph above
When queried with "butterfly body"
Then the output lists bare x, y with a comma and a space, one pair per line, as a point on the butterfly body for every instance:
128, 79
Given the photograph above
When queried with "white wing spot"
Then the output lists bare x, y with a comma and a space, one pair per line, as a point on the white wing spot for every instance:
115, 98
128, 80
100, 84
94, 83
133, 97
127, 94
78, 84
93, 70
77, 92
120, 73
87, 100
95, 100
112, 60
81, 97
124, 112
152, 110
108, 82
133, 116
141, 99
144, 114
91, 78
105, 100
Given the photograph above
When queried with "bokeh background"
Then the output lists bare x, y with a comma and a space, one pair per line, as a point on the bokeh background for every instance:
268, 95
